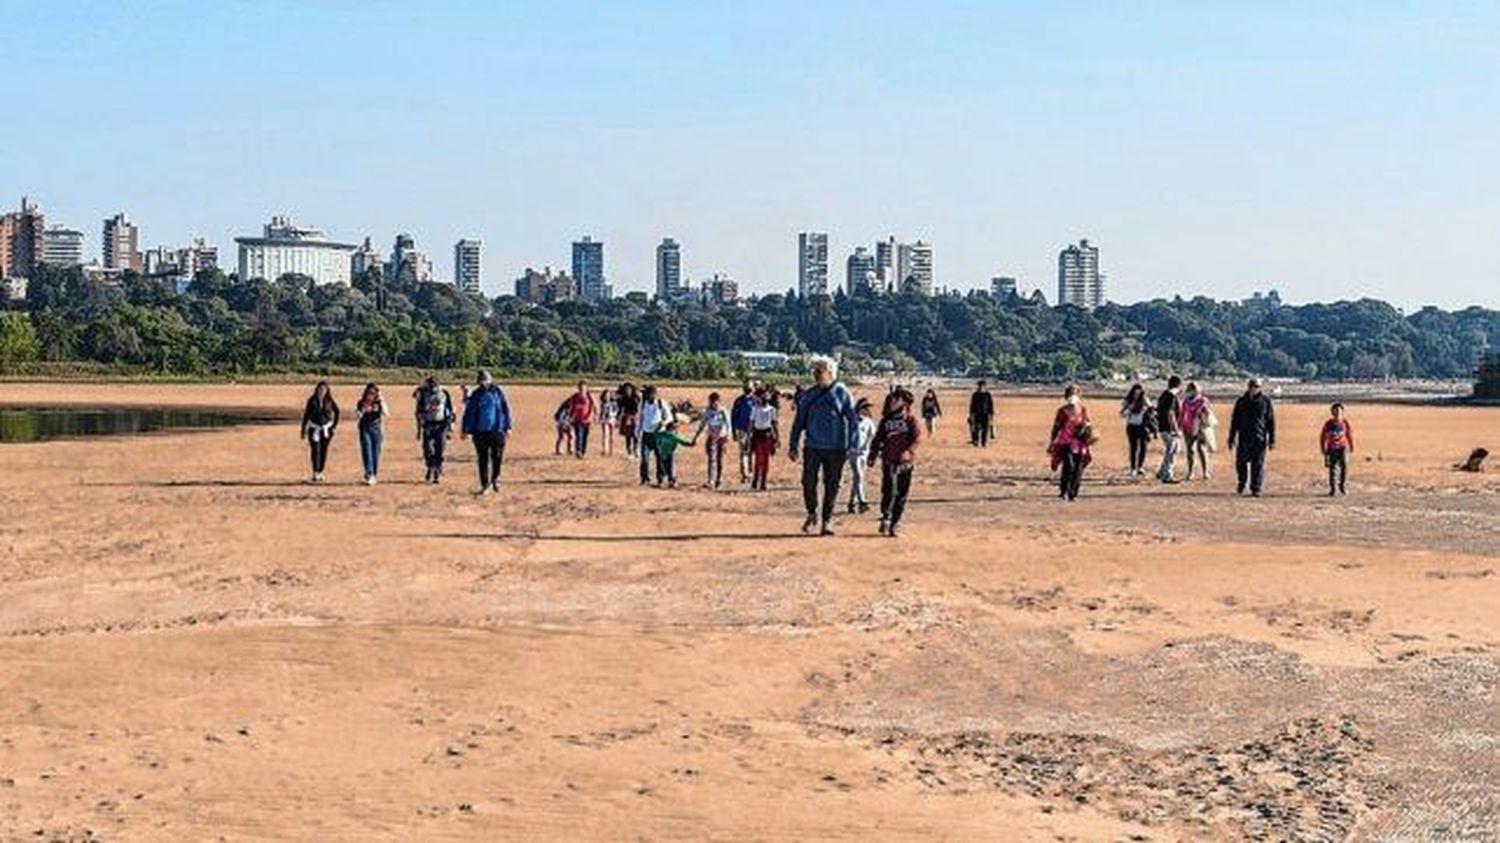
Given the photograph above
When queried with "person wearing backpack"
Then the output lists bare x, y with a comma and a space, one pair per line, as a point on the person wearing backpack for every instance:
652, 419
487, 419
435, 419
826, 416
895, 445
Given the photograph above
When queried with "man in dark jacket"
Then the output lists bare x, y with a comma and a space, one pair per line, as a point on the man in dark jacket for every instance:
487, 418
1252, 432
739, 425
981, 416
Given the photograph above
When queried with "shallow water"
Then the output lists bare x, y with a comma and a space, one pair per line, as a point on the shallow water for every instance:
38, 424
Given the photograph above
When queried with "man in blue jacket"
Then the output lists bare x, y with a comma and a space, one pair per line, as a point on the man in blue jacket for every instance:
487, 419
826, 414
739, 425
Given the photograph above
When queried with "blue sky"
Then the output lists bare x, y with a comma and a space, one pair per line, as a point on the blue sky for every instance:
1331, 149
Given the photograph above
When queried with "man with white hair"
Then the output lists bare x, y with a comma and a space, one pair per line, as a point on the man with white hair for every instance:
826, 415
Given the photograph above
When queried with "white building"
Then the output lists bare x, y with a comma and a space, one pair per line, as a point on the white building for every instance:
668, 270
62, 246
885, 265
914, 268
1079, 281
466, 265
860, 278
366, 258
408, 264
812, 263
286, 248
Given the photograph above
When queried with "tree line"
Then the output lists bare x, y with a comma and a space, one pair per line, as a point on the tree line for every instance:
220, 325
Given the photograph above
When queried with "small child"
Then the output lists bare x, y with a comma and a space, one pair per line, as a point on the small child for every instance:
1337, 442
764, 438
716, 424
666, 447
864, 436
563, 420
895, 445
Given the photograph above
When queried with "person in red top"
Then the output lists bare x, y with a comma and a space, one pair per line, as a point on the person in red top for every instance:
1072, 436
895, 445
581, 409
1337, 443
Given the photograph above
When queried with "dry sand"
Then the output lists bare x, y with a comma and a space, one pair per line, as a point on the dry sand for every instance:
195, 645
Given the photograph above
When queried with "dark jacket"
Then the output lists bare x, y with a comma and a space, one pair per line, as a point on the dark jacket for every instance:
1253, 425
896, 438
1168, 409
981, 405
320, 414
739, 414
487, 411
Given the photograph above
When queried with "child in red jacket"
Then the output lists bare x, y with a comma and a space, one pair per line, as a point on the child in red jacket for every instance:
1337, 443
895, 445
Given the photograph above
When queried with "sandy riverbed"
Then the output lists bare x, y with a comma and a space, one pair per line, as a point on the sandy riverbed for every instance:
196, 645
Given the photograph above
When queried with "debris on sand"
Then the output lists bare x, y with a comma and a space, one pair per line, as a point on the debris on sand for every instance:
1475, 462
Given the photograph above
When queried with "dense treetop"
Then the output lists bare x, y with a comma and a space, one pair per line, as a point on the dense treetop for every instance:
221, 325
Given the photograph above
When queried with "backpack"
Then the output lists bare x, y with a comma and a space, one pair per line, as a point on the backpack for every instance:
432, 405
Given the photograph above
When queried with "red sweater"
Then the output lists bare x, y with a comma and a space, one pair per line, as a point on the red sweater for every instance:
1337, 435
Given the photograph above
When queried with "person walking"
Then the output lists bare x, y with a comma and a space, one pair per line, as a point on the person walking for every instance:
715, 427
739, 423
581, 410
981, 416
1337, 442
1072, 439
932, 410
562, 422
894, 444
487, 418
630, 408
860, 460
1197, 424
609, 421
320, 418
1169, 427
765, 437
652, 420
370, 411
1140, 422
435, 418
665, 444
826, 416
1252, 432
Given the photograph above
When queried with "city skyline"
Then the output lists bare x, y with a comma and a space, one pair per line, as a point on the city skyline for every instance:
1331, 153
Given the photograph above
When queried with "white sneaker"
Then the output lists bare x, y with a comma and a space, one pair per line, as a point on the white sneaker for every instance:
370, 481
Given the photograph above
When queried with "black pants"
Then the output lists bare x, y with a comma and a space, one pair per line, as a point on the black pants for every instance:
318, 450
895, 485
1250, 465
581, 438
1338, 469
830, 461
1138, 438
434, 443
1071, 477
489, 448
979, 432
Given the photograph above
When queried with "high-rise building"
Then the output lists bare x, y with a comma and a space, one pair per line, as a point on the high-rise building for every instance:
885, 265
859, 273
466, 265
668, 270
290, 249
199, 256
408, 264
122, 244
22, 236
812, 263
1003, 287
62, 246
1079, 281
365, 259
588, 269
914, 267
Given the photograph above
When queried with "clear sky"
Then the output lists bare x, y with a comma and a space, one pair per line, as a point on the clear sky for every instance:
1328, 149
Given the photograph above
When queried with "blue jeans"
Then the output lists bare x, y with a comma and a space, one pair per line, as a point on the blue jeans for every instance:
370, 440
580, 438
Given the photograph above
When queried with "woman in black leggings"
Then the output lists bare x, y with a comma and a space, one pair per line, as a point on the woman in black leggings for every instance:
320, 417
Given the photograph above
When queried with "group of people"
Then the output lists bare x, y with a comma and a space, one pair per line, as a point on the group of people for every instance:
831, 433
